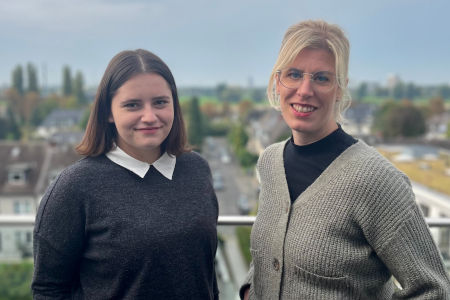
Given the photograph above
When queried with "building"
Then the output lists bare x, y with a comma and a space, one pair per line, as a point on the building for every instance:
26, 171
60, 120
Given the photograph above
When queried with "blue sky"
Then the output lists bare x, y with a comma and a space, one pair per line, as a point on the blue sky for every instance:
206, 42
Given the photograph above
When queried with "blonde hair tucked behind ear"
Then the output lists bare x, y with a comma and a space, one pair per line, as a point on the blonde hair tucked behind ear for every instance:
316, 35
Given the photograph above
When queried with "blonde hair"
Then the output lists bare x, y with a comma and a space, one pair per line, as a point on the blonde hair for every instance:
314, 34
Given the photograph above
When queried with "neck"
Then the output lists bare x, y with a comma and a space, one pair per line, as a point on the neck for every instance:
305, 138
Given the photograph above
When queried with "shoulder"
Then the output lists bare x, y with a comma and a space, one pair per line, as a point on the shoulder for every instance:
372, 165
378, 184
271, 152
192, 160
85, 169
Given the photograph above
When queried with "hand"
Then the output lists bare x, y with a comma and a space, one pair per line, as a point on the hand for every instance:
246, 293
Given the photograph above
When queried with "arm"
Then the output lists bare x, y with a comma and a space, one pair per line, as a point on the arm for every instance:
58, 243
414, 260
395, 228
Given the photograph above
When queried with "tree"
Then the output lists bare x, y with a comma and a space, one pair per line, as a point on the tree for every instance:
361, 92
44, 109
32, 78
402, 119
237, 137
15, 279
67, 82
411, 91
244, 108
78, 88
398, 91
195, 124
17, 79
436, 105
220, 88
210, 110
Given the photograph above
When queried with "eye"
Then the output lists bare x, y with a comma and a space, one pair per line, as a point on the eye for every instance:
322, 77
160, 102
131, 105
294, 75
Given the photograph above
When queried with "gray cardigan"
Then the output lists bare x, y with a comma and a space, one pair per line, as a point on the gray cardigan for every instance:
344, 236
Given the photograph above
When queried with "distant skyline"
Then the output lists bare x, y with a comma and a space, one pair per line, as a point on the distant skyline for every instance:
210, 42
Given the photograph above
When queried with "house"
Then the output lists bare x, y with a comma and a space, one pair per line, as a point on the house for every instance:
266, 127
26, 170
60, 120
359, 119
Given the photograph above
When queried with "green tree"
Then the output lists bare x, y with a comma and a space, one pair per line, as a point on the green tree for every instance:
361, 91
399, 90
17, 79
32, 78
400, 120
237, 137
44, 109
67, 81
195, 124
411, 91
220, 88
78, 88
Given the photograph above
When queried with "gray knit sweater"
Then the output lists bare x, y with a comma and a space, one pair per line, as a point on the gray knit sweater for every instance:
344, 236
102, 232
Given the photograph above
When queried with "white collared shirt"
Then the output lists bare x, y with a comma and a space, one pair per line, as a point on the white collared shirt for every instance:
165, 164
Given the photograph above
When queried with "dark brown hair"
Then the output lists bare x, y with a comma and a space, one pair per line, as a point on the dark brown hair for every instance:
100, 134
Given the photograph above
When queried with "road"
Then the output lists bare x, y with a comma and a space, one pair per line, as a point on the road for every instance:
231, 267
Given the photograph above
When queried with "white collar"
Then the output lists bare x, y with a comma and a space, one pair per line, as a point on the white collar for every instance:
165, 164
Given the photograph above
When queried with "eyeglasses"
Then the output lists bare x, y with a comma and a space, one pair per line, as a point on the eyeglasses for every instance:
322, 81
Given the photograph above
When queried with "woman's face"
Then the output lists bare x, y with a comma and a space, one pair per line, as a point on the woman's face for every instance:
142, 111
309, 108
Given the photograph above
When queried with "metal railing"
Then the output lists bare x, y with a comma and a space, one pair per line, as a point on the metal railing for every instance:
27, 220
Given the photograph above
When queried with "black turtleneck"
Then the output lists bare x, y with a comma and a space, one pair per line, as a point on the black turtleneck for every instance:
304, 164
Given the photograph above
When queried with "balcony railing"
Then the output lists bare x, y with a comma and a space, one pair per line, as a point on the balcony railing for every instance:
28, 220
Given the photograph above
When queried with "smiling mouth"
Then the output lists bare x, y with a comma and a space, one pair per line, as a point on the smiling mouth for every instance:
147, 129
303, 108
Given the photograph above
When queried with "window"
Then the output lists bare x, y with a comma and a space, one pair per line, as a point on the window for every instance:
22, 207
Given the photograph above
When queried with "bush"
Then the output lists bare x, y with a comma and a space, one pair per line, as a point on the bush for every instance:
15, 281
243, 235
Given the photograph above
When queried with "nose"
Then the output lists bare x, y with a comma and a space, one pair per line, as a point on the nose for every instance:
305, 88
148, 114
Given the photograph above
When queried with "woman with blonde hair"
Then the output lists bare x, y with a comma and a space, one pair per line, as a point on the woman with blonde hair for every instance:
335, 219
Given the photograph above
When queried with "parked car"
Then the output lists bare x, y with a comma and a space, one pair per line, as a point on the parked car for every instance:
243, 205
218, 181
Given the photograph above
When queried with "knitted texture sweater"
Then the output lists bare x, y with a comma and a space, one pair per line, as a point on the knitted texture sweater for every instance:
102, 232
344, 236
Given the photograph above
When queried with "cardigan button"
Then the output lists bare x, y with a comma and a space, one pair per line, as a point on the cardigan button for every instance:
276, 264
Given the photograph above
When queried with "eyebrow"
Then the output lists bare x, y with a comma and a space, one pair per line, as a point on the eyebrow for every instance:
299, 70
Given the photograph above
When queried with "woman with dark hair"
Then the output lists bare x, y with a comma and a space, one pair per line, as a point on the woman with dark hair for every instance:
136, 218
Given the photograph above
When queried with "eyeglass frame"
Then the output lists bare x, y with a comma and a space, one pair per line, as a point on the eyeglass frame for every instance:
311, 78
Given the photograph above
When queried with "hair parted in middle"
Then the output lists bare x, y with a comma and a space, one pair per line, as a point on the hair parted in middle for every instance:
315, 34
100, 134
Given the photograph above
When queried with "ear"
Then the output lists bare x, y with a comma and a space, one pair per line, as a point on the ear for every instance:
111, 119
277, 83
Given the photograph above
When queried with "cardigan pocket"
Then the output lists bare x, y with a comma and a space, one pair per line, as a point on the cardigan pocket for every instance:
320, 282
